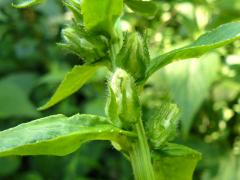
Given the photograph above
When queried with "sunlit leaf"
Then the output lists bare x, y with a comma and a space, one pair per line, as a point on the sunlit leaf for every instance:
216, 38
57, 135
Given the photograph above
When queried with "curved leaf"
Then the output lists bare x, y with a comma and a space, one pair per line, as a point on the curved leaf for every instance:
72, 82
57, 135
25, 3
175, 162
216, 38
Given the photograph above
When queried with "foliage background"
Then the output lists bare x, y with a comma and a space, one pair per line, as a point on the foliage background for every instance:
207, 91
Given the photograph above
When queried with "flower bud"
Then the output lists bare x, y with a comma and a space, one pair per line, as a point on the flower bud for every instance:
162, 126
134, 56
123, 107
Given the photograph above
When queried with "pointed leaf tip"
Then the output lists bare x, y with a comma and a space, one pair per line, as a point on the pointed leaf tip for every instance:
218, 37
72, 82
58, 135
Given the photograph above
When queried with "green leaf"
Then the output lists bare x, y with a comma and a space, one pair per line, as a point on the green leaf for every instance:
100, 15
216, 38
175, 162
146, 8
189, 83
162, 126
57, 135
72, 82
25, 3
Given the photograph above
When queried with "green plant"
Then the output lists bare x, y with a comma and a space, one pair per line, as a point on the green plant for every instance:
95, 37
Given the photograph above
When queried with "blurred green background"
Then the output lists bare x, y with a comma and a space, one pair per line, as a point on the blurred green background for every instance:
207, 90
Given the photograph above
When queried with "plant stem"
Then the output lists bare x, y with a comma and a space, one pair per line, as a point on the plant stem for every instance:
140, 156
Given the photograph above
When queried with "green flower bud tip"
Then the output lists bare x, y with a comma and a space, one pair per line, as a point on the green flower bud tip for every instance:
134, 56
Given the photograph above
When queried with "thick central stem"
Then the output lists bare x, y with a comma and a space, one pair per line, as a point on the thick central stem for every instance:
140, 156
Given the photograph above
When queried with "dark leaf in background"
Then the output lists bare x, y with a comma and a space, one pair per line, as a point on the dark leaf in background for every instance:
14, 102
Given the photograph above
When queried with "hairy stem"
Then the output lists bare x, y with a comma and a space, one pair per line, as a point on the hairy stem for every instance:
140, 156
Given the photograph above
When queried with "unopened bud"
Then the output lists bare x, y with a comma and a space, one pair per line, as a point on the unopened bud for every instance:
123, 107
134, 56
162, 126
